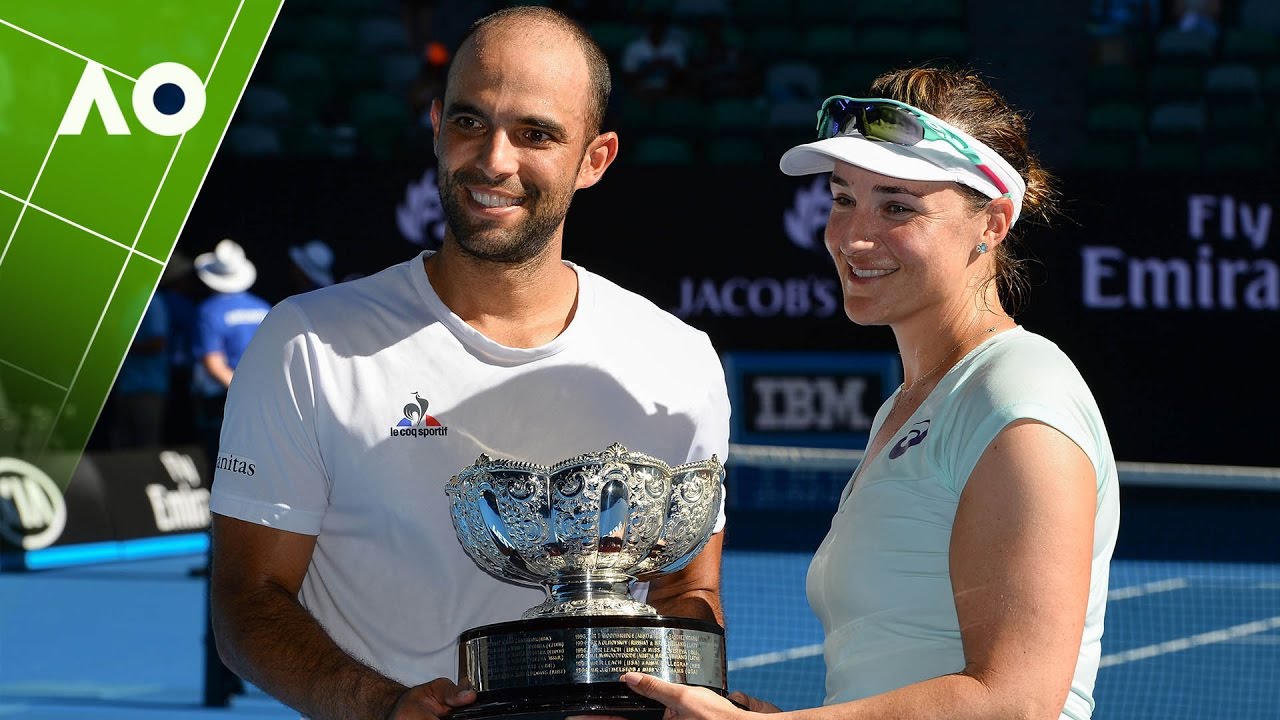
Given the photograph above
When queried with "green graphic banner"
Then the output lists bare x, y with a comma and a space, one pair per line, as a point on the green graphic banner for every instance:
110, 115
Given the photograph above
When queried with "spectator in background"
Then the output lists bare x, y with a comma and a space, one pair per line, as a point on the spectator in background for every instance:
178, 286
720, 69
310, 266
1115, 26
426, 86
1109, 17
654, 64
435, 27
1200, 16
225, 322
141, 389
416, 16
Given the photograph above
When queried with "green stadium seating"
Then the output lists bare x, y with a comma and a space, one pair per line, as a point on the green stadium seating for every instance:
663, 150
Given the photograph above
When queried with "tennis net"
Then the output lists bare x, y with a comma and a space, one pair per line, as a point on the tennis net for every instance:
1193, 615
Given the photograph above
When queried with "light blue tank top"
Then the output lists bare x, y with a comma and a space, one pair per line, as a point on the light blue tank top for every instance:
880, 582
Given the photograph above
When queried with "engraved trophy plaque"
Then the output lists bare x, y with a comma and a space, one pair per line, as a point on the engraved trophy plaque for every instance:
585, 529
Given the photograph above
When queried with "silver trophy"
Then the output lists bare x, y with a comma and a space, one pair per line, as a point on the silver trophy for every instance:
585, 529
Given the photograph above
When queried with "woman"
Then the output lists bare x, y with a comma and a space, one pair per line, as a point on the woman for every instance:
965, 572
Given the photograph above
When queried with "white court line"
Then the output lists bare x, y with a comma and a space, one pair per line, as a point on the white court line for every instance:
804, 651
101, 316
27, 202
73, 690
66, 50
770, 658
1142, 653
1179, 644
28, 372
79, 227
1133, 591
164, 177
218, 55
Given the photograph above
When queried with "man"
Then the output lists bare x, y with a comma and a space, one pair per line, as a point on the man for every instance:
339, 584
179, 291
654, 64
142, 385
225, 322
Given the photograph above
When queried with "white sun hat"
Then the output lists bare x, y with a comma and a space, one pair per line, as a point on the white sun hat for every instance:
315, 260
226, 269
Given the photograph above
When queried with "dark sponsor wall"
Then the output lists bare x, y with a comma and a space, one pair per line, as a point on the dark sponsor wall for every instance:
1164, 289
123, 504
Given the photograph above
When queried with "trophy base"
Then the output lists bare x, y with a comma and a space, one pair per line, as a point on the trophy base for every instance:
614, 699
552, 668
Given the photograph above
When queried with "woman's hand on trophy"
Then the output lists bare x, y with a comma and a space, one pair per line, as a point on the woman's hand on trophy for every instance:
746, 702
435, 699
684, 702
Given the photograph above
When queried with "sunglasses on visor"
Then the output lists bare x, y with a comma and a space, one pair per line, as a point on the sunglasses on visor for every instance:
893, 122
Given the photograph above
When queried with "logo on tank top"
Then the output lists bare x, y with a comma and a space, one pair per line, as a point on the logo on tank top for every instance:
416, 422
914, 436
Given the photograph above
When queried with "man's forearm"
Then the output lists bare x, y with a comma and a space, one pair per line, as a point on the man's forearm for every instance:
216, 365
700, 605
694, 591
269, 639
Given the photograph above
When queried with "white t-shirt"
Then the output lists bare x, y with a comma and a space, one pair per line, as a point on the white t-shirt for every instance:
880, 581
324, 435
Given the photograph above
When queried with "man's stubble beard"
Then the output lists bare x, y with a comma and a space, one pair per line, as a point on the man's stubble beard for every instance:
508, 246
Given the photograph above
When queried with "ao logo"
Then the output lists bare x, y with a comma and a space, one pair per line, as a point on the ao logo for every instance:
32, 513
174, 78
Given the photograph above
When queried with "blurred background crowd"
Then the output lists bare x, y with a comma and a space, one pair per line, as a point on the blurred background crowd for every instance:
1113, 83
1146, 86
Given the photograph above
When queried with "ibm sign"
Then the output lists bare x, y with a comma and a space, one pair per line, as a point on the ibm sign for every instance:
818, 399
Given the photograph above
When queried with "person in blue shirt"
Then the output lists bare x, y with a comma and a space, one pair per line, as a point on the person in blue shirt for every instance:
142, 385
310, 266
225, 322
180, 290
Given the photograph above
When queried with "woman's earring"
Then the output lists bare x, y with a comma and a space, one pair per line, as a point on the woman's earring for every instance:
982, 247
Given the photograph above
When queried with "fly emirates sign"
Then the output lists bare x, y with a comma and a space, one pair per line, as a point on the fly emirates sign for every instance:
1225, 264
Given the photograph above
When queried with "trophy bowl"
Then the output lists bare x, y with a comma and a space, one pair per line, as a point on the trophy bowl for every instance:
585, 529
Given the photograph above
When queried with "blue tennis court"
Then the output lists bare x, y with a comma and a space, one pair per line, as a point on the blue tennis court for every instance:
1185, 639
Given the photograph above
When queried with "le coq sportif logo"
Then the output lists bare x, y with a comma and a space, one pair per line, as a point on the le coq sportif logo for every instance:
417, 422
